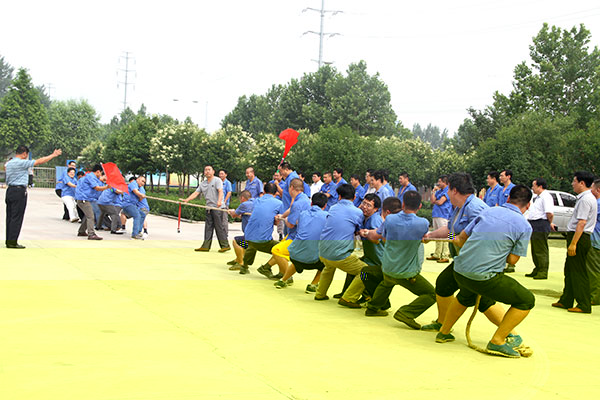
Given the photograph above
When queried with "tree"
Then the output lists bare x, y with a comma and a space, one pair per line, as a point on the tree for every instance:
23, 119
6, 77
361, 102
92, 154
431, 134
129, 147
74, 125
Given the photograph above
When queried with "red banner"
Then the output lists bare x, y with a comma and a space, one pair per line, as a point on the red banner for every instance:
114, 178
291, 138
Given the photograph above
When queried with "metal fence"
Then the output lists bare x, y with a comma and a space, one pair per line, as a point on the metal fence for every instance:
44, 177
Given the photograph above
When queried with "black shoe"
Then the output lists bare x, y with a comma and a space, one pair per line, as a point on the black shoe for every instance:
540, 276
15, 246
116, 232
338, 296
509, 269
531, 274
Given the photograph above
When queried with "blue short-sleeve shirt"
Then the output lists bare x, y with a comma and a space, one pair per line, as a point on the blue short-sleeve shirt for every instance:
17, 171
130, 198
445, 209
492, 196
227, 187
359, 195
373, 252
66, 189
143, 203
85, 188
286, 198
403, 233
337, 238
301, 203
331, 189
307, 190
305, 247
260, 225
245, 207
503, 196
404, 189
255, 187
109, 197
494, 234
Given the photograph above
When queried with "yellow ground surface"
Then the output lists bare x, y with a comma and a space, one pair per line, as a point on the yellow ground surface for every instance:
123, 319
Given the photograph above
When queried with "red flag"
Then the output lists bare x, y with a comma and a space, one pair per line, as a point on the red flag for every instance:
291, 138
114, 178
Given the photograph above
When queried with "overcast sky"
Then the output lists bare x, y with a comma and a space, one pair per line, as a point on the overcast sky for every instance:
437, 57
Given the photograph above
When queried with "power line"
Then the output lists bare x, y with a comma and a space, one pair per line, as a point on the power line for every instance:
322, 34
127, 81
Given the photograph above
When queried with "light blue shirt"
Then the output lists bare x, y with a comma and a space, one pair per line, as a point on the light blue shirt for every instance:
596, 234
301, 203
245, 207
227, 187
337, 238
255, 187
492, 196
66, 189
402, 258
359, 195
445, 209
305, 247
17, 171
403, 189
286, 197
373, 252
85, 188
503, 196
494, 234
260, 225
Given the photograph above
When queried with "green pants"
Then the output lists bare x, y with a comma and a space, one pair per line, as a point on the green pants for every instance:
593, 268
417, 285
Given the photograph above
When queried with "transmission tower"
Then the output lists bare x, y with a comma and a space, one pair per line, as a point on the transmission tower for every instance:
128, 58
321, 33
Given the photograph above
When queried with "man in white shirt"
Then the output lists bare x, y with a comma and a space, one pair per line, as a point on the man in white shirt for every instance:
317, 183
540, 217
580, 227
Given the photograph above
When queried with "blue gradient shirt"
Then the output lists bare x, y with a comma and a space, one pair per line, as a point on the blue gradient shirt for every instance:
494, 234
260, 225
305, 247
402, 257
301, 203
17, 171
337, 238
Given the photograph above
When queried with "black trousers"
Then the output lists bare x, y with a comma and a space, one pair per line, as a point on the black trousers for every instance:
577, 282
16, 201
539, 245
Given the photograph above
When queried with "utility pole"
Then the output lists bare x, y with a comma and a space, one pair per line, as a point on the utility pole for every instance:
50, 86
127, 82
321, 33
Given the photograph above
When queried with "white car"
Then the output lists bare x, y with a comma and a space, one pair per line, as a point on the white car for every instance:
563, 208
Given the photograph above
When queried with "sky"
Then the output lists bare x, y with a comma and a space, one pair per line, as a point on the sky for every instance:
437, 57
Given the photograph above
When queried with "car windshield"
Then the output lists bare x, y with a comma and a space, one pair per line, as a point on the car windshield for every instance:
568, 200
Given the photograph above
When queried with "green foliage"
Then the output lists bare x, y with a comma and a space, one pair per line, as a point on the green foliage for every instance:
129, 146
23, 119
326, 97
431, 134
91, 155
361, 102
266, 155
74, 124
6, 77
